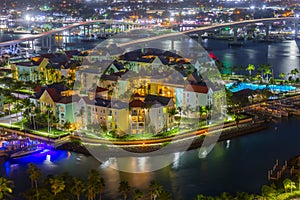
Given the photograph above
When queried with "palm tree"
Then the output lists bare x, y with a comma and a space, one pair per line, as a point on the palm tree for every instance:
27, 76
250, 68
268, 72
81, 115
70, 79
124, 189
77, 188
282, 75
171, 112
35, 75
202, 110
6, 187
155, 190
292, 186
101, 185
138, 194
57, 185
49, 117
268, 192
9, 99
27, 105
294, 72
57, 77
92, 186
34, 175
35, 110
288, 184
165, 196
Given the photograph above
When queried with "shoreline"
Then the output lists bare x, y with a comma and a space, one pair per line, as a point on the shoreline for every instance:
193, 143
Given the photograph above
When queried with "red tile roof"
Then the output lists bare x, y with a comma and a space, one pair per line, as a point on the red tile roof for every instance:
53, 94
197, 89
101, 89
136, 104
38, 88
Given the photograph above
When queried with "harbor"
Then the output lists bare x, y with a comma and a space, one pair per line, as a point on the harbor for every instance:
14, 145
285, 107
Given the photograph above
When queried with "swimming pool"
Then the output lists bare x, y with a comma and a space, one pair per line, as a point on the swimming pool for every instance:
235, 87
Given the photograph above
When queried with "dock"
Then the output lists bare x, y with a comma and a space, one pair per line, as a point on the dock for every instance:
277, 171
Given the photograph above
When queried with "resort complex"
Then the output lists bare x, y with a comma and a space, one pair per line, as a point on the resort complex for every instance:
159, 100
139, 92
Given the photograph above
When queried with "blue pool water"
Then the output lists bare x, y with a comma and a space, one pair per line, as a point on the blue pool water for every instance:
241, 86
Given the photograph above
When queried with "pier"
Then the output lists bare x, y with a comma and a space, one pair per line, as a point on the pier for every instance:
277, 171
289, 106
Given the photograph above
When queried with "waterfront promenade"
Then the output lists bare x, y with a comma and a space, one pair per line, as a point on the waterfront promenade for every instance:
226, 131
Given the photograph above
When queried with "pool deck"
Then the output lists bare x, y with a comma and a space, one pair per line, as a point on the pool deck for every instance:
253, 86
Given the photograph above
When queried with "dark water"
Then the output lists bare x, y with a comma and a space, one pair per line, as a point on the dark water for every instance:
283, 56
240, 166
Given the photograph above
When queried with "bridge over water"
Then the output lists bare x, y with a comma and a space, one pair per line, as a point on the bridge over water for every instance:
45, 37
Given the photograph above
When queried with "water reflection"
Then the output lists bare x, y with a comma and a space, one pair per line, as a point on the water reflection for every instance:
283, 56
225, 168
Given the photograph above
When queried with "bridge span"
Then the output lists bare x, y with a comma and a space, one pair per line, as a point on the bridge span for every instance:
130, 25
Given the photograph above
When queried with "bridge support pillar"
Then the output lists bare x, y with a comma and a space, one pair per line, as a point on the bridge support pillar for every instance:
92, 28
199, 38
122, 27
50, 42
84, 32
296, 27
46, 42
235, 34
172, 45
268, 26
32, 45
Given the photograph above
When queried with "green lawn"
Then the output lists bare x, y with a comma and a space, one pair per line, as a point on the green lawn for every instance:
287, 196
41, 132
25, 91
54, 132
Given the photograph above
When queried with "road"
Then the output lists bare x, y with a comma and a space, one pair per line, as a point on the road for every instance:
58, 30
237, 23
183, 136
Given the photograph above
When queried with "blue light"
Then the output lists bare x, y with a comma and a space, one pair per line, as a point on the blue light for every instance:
235, 87
41, 157
7, 168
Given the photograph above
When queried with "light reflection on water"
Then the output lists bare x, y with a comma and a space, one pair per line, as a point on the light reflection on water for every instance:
223, 169
283, 56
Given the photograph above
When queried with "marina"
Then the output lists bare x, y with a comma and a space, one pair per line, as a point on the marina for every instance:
14, 146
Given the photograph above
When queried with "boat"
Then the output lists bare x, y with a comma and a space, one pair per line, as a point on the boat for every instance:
26, 152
